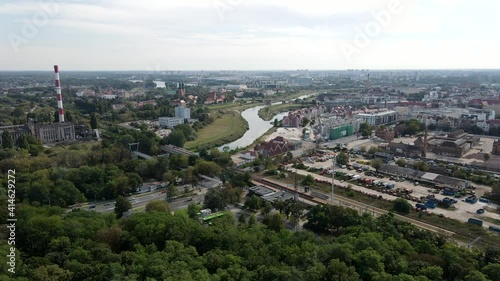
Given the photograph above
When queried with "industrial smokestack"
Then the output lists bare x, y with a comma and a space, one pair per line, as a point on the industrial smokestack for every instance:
59, 95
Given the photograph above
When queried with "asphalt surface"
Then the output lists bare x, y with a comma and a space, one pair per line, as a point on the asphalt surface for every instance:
140, 201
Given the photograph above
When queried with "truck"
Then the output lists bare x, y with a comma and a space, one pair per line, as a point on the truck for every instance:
430, 204
484, 200
471, 199
494, 228
368, 182
421, 206
448, 192
475, 221
364, 162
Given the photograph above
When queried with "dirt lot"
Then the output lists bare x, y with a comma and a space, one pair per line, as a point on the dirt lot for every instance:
288, 133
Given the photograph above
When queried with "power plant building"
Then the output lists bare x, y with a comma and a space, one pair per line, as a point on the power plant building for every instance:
46, 133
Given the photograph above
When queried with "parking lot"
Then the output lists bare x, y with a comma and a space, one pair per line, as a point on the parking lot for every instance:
462, 212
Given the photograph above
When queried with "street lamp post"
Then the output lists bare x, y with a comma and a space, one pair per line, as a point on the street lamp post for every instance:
333, 176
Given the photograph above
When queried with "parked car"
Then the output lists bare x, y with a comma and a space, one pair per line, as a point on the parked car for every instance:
480, 211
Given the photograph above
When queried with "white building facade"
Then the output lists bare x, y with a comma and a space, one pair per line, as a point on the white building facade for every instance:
170, 122
377, 119
183, 112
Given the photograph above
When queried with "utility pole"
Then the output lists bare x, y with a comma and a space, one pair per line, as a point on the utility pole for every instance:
424, 148
472, 243
333, 177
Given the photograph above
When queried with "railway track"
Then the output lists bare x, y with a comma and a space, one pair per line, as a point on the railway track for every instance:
353, 204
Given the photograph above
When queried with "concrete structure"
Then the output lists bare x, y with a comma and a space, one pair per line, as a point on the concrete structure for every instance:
46, 133
273, 84
260, 190
496, 148
341, 131
16, 131
453, 144
403, 149
183, 112
60, 107
236, 87
55, 132
420, 176
269, 194
170, 122
175, 150
376, 119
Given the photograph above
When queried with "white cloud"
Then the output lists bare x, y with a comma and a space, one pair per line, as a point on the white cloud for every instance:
253, 34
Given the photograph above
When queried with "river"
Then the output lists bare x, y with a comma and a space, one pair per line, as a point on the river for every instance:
160, 84
257, 126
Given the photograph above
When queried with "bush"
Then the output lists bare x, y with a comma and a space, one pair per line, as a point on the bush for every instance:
401, 206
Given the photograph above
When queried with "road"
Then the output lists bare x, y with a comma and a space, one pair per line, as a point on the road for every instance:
140, 201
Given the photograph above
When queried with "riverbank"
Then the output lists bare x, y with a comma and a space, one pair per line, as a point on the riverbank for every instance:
267, 113
228, 126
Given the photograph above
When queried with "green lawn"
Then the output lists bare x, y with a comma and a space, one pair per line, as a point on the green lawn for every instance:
267, 113
226, 128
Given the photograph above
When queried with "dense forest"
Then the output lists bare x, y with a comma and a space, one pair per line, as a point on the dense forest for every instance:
55, 245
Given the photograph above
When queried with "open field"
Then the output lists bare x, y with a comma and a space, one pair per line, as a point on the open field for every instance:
267, 113
226, 128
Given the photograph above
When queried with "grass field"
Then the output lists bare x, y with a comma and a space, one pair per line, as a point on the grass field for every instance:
267, 113
227, 127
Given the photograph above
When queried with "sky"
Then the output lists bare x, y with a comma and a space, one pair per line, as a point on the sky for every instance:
249, 34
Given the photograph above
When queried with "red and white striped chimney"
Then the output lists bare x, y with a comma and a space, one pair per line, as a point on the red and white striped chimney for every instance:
59, 95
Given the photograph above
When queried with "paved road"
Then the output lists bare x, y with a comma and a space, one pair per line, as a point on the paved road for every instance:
139, 201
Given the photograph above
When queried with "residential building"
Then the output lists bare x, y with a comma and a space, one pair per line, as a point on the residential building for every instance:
183, 112
376, 119
276, 146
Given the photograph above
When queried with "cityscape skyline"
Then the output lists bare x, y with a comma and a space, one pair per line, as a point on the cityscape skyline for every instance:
248, 35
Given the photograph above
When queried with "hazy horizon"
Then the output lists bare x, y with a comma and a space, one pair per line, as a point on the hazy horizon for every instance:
248, 35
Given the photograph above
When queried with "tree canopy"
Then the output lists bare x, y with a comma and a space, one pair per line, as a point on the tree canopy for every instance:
80, 245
